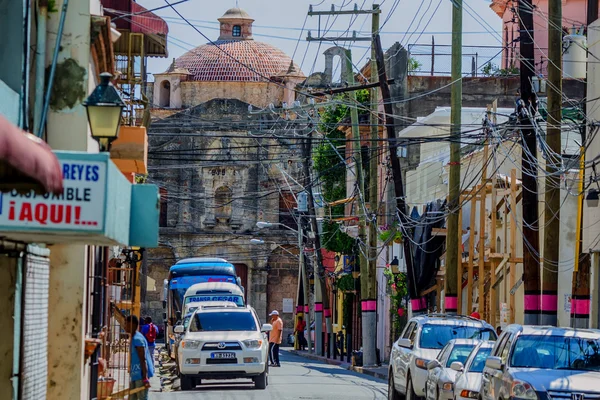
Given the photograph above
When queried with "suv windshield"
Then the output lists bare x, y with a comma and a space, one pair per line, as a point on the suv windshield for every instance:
437, 336
556, 352
479, 361
223, 321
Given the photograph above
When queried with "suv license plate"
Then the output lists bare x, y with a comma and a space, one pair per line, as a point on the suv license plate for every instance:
222, 355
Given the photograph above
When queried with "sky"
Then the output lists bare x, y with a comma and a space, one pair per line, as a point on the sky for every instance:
280, 23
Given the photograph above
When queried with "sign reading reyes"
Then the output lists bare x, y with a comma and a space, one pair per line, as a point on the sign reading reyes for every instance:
79, 207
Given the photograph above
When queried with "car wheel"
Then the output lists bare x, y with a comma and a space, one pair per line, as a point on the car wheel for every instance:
392, 392
261, 381
187, 383
410, 391
197, 381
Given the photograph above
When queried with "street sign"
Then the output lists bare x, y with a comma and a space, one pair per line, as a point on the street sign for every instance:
513, 290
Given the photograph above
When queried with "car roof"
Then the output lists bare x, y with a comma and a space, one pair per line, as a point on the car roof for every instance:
474, 342
446, 319
223, 309
547, 330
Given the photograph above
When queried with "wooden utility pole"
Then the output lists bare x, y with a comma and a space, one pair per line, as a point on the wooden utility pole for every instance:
453, 224
369, 296
549, 299
322, 307
526, 110
417, 305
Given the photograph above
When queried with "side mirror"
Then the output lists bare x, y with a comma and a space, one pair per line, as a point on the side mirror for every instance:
494, 363
179, 329
406, 343
266, 328
457, 366
433, 364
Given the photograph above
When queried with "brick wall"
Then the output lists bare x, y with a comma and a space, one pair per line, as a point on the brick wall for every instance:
282, 282
259, 94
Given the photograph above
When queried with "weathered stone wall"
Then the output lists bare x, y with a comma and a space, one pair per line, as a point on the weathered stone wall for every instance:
259, 94
282, 278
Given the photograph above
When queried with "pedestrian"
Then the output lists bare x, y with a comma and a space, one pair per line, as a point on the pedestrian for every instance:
150, 332
275, 338
142, 366
300, 328
498, 330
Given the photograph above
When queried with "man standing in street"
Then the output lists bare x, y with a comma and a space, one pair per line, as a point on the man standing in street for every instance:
150, 332
142, 366
275, 338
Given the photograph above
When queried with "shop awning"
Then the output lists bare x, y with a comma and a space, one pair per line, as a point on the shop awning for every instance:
27, 162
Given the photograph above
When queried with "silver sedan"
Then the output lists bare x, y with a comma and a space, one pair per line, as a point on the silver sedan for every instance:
468, 379
440, 377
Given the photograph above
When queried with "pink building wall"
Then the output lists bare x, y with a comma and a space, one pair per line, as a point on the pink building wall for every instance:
574, 14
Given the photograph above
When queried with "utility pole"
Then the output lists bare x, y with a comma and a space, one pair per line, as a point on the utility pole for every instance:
416, 304
368, 254
454, 226
322, 307
526, 111
304, 276
580, 293
549, 300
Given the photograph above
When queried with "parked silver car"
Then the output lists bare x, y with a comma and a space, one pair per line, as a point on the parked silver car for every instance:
468, 377
440, 377
543, 362
421, 341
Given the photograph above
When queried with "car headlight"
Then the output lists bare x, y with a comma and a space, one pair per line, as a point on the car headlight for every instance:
253, 344
523, 390
190, 344
448, 386
469, 394
421, 363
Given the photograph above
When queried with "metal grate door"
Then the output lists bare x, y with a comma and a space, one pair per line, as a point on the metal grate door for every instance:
34, 343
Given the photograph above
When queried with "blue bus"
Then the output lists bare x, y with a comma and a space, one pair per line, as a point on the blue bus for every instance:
186, 273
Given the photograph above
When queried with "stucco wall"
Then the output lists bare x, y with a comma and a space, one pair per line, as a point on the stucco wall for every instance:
258, 94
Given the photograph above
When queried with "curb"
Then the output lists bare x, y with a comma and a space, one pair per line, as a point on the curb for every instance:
343, 364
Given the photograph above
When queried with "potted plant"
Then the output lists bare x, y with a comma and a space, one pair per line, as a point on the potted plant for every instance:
390, 233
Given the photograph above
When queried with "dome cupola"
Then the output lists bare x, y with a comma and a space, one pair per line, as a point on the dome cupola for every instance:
236, 24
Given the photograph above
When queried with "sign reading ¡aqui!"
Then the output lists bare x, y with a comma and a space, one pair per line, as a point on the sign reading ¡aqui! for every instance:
80, 207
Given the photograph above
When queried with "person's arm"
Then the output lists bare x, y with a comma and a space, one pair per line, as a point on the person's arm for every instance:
141, 352
280, 330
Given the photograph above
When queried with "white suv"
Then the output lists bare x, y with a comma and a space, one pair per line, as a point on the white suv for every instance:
421, 342
223, 343
543, 362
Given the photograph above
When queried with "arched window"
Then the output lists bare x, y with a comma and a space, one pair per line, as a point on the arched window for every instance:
223, 204
237, 31
165, 94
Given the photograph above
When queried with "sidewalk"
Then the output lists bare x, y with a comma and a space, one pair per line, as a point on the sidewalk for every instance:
376, 372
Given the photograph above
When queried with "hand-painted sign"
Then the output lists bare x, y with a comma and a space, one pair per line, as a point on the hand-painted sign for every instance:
199, 299
80, 207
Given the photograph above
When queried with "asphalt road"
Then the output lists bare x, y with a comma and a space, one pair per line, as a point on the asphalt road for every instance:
298, 378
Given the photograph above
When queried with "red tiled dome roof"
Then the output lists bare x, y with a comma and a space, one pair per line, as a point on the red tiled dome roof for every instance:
208, 63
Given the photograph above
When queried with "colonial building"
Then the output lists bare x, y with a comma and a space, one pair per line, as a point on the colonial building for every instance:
222, 164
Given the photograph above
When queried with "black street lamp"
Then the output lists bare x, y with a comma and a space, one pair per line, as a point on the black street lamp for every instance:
104, 107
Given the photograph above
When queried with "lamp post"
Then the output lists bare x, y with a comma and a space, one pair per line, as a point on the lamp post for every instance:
104, 107
302, 266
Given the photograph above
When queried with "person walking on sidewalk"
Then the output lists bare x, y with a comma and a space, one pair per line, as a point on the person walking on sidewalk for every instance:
150, 332
300, 327
142, 366
275, 338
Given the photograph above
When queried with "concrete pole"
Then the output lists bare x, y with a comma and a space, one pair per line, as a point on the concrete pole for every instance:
305, 282
452, 239
369, 302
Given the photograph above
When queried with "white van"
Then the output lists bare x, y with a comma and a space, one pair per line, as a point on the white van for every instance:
214, 291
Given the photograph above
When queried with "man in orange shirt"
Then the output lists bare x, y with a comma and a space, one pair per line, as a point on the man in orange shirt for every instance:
275, 337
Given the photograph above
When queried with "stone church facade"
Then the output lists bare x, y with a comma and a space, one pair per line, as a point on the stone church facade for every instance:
221, 167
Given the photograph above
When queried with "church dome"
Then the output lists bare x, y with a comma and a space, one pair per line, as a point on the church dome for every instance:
228, 58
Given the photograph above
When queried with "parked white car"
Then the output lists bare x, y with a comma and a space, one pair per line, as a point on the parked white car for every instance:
223, 343
421, 341
440, 377
468, 378
543, 362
